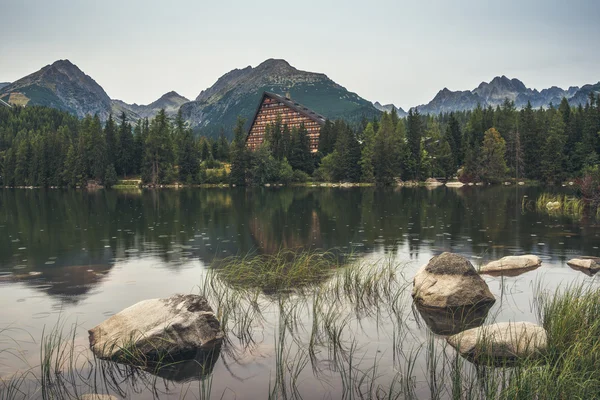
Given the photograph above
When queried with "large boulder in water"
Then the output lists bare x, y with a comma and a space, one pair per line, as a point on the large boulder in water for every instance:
154, 328
450, 280
588, 265
500, 343
512, 265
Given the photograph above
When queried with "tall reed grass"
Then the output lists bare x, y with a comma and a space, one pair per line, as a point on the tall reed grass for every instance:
347, 330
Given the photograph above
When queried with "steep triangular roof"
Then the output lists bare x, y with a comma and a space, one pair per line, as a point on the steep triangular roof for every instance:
318, 118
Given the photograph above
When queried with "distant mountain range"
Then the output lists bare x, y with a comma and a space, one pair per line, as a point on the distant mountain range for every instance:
64, 86
389, 107
501, 88
169, 101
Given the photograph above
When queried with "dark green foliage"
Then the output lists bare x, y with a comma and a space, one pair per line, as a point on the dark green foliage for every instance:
45, 147
299, 155
413, 138
492, 164
111, 138
327, 138
240, 157
158, 156
126, 153
189, 161
453, 137
110, 176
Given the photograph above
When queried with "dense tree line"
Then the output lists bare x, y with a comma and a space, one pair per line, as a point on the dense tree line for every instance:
42, 146
482, 145
46, 147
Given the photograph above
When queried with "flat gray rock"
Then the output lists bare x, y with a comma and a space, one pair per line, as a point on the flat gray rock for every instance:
592, 265
512, 263
156, 327
450, 280
505, 341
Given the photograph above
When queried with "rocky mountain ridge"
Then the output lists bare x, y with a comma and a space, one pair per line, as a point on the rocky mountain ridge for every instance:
170, 102
501, 88
389, 107
64, 86
238, 93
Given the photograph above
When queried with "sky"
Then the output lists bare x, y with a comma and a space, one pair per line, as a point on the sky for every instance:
388, 51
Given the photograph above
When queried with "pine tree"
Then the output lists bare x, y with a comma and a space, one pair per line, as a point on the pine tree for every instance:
553, 150
239, 154
367, 154
189, 162
222, 147
384, 156
126, 163
300, 156
158, 152
111, 138
327, 138
110, 176
492, 163
414, 135
453, 136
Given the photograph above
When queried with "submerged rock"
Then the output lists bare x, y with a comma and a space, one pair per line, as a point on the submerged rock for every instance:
155, 328
587, 265
449, 321
500, 343
512, 265
455, 184
433, 182
450, 280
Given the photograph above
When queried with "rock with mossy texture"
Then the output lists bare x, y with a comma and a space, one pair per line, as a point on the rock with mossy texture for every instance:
450, 280
512, 265
501, 343
588, 265
153, 329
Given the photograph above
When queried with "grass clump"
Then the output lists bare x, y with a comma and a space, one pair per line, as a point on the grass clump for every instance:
284, 270
560, 204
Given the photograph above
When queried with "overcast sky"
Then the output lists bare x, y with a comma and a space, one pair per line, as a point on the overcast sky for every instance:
388, 51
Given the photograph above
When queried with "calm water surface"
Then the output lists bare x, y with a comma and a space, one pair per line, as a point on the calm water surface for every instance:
69, 257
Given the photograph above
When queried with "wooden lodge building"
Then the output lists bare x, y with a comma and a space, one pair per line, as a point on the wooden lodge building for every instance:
292, 114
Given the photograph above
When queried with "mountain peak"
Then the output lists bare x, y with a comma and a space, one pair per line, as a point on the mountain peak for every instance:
61, 63
274, 62
172, 93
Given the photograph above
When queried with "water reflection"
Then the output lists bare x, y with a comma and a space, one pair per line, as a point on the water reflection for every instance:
65, 242
450, 321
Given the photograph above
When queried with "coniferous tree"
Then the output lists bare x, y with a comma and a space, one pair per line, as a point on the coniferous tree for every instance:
453, 136
300, 156
222, 147
126, 163
327, 138
158, 152
413, 136
189, 162
384, 157
239, 154
553, 150
491, 160
367, 154
111, 138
